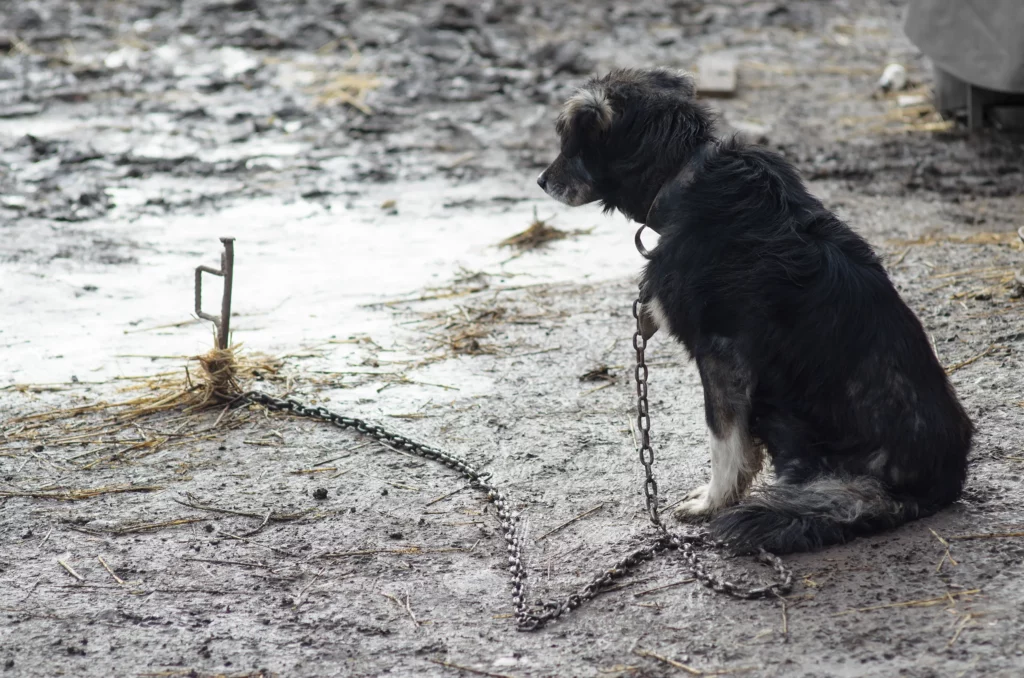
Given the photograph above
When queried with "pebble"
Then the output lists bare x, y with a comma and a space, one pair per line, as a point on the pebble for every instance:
894, 78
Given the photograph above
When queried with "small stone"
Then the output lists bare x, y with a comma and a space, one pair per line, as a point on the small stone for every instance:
319, 494
716, 75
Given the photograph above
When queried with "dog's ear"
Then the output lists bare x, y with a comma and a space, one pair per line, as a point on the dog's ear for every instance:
585, 118
675, 80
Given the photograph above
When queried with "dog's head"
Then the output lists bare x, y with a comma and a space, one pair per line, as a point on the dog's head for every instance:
620, 131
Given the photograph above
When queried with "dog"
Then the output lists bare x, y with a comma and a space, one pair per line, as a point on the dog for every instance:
806, 352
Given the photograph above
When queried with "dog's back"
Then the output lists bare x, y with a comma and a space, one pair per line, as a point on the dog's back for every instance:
849, 400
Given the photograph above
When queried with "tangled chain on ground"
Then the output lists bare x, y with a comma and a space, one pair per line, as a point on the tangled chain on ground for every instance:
530, 618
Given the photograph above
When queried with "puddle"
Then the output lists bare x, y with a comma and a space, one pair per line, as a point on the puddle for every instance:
304, 274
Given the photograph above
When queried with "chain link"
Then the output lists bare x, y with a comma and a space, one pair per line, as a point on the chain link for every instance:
531, 618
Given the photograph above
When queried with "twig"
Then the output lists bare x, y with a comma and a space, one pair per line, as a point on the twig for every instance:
968, 271
973, 359
348, 453
597, 388
689, 669
402, 551
899, 259
457, 667
406, 380
671, 662
569, 522
440, 499
276, 517
924, 602
107, 568
78, 495
666, 586
70, 570
959, 628
946, 555
987, 535
398, 602
163, 327
541, 351
290, 554
221, 416
139, 527
302, 593
251, 533
239, 563
409, 610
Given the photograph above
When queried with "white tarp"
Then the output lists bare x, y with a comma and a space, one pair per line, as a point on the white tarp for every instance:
978, 41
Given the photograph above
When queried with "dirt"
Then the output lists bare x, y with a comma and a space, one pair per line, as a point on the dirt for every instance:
370, 157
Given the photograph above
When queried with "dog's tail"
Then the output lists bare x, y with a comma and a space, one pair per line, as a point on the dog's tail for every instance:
803, 517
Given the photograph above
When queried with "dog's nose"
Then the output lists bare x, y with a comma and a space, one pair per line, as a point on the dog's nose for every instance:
542, 180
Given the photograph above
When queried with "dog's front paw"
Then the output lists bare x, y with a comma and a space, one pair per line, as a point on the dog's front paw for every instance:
696, 507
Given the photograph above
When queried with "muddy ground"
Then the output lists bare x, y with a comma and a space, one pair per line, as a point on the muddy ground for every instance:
369, 156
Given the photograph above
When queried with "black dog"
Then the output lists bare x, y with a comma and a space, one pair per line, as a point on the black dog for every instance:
805, 350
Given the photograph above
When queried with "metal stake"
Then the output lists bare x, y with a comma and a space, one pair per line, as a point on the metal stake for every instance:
227, 269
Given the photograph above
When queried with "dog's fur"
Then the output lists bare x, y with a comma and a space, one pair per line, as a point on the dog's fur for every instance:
805, 350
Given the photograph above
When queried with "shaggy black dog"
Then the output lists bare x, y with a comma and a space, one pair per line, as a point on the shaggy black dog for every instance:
805, 350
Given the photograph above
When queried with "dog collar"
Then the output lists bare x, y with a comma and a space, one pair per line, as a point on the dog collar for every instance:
683, 179
644, 252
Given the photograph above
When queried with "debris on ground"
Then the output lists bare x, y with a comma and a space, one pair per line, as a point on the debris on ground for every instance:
168, 410
600, 373
345, 85
539, 234
894, 78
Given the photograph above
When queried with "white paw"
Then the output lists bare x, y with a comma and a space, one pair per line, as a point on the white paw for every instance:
697, 506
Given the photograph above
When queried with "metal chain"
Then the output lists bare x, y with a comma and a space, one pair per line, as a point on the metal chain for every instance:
643, 422
527, 618
509, 520
685, 543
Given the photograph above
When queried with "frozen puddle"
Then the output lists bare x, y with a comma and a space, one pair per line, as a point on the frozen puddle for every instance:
304, 274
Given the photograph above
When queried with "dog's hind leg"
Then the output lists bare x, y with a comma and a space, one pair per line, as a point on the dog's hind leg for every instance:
735, 459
